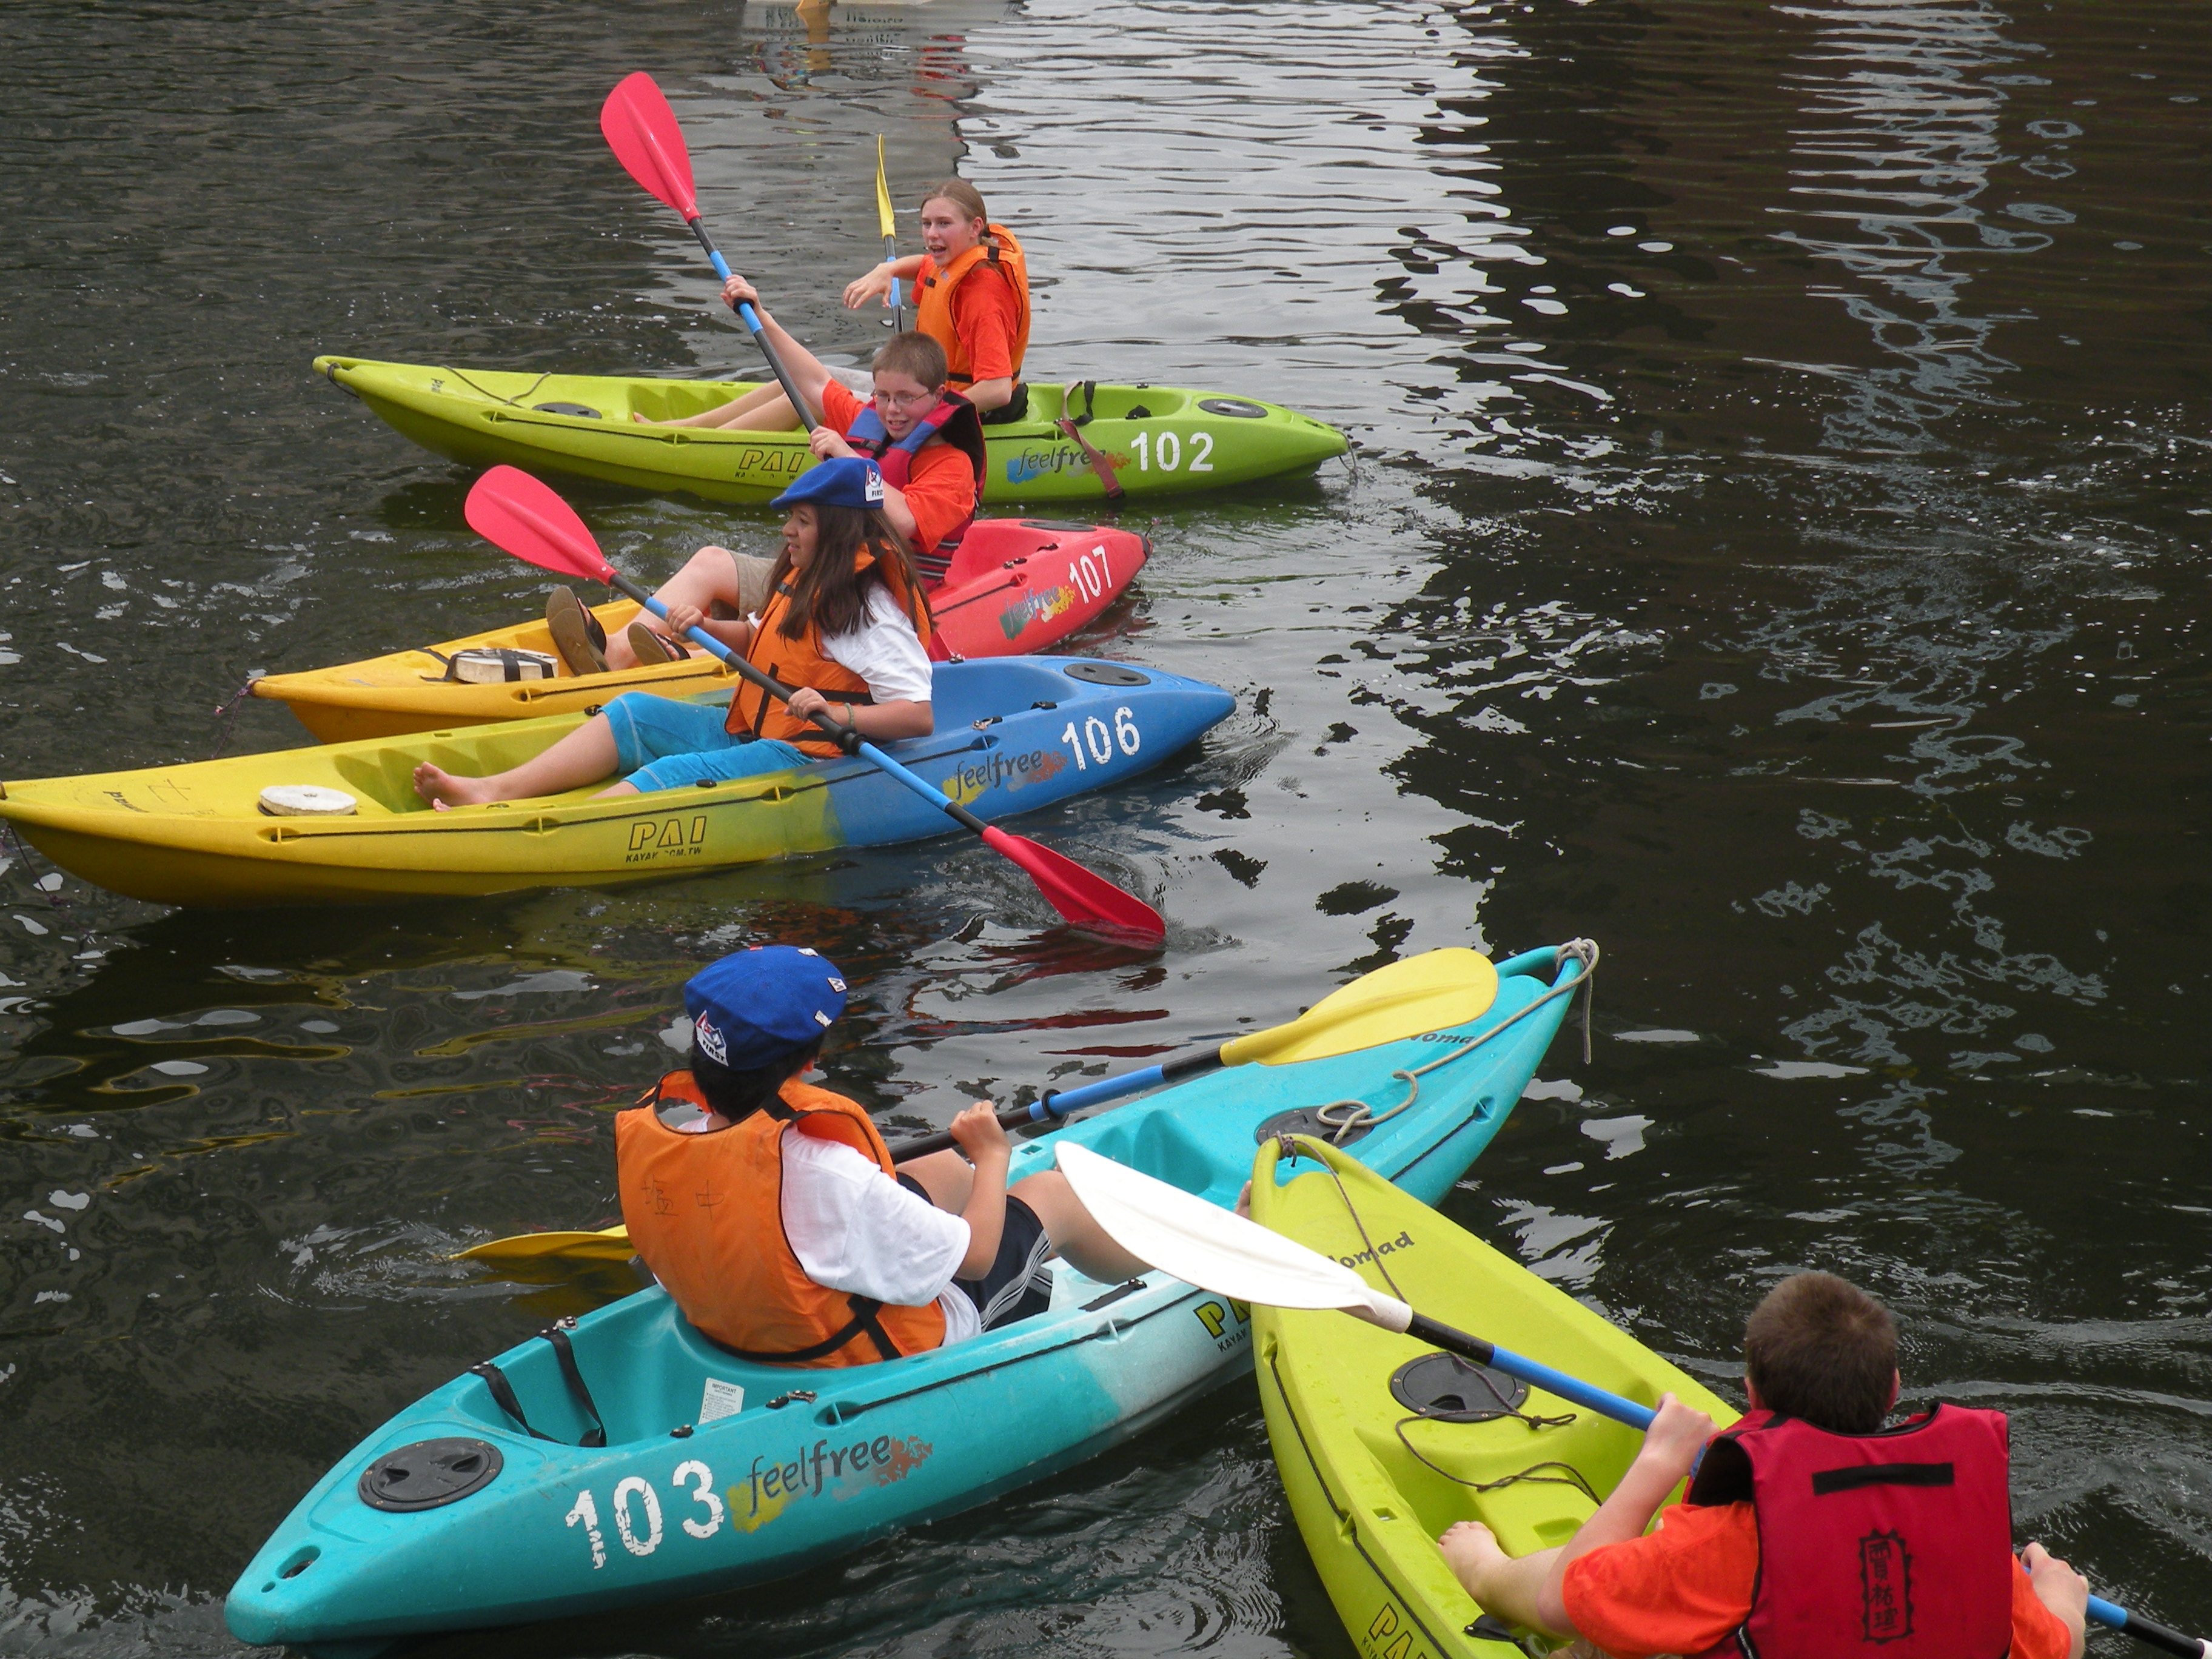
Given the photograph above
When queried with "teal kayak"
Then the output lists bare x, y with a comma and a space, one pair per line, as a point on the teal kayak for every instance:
716, 1474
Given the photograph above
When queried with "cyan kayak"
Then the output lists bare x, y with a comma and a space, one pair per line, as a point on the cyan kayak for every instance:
716, 1474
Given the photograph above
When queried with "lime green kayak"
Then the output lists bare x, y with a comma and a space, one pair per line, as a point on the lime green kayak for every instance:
1159, 439
1381, 1440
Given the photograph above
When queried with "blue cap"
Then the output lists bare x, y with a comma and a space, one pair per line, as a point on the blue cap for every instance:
763, 1005
847, 481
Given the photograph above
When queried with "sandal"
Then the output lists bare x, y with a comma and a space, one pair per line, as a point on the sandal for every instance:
652, 649
576, 633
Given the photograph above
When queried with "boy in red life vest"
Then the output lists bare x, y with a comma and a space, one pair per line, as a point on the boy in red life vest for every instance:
1810, 1531
771, 1211
924, 437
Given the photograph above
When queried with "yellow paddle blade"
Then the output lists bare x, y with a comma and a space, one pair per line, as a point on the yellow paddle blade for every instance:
889, 226
610, 1245
1432, 992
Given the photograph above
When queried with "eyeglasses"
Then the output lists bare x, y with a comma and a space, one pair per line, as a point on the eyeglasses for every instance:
905, 400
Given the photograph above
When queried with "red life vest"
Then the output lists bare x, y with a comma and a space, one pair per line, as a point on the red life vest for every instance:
706, 1214
1895, 1545
954, 420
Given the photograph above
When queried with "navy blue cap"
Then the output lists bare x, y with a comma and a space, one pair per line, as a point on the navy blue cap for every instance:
763, 1005
846, 481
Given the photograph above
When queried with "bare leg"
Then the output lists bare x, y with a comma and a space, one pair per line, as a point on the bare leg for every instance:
1506, 1586
708, 576
1075, 1238
947, 1178
586, 755
764, 409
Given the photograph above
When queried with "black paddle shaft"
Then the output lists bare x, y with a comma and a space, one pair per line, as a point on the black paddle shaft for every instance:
2154, 1634
843, 737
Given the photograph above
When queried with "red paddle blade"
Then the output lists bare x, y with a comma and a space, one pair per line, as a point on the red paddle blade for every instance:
516, 513
1086, 901
642, 131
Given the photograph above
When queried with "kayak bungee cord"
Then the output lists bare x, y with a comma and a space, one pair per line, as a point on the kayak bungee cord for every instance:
1360, 1118
1570, 1476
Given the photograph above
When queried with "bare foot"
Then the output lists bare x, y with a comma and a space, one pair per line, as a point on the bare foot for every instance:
442, 789
1470, 1550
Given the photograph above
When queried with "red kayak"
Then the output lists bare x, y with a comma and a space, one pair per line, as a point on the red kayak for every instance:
1017, 586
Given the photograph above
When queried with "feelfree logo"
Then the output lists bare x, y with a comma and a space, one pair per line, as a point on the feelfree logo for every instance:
842, 1471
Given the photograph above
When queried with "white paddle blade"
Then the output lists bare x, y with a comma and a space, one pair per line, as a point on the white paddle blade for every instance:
1215, 1249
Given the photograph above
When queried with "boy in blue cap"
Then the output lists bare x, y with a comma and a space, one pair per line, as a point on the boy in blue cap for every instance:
770, 1209
844, 623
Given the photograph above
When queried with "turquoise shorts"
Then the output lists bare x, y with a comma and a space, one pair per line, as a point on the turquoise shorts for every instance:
662, 743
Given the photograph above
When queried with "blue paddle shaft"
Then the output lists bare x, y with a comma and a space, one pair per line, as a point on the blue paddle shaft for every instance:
1620, 1410
867, 751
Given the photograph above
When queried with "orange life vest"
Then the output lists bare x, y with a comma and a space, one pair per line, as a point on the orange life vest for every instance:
932, 299
706, 1212
802, 662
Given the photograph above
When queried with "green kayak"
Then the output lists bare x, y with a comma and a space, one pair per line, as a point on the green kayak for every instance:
1383, 1441
1156, 440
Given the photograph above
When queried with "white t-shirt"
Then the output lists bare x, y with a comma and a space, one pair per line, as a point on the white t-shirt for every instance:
854, 1228
884, 650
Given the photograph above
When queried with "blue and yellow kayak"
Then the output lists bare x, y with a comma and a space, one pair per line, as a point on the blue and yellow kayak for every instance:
716, 1474
1013, 734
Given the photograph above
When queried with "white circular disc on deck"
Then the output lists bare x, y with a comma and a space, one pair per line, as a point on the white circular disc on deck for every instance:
306, 800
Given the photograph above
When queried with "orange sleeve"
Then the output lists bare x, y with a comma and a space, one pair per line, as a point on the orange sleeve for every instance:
2037, 1633
840, 408
1680, 1589
983, 316
940, 491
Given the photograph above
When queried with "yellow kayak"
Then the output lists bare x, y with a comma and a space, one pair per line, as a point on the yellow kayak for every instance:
387, 696
1013, 734
1159, 439
1370, 1429
1017, 586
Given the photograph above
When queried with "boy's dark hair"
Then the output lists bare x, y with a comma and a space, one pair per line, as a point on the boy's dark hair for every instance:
914, 355
736, 1094
1820, 1349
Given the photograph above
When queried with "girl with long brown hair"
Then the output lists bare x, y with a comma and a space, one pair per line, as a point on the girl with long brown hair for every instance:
843, 623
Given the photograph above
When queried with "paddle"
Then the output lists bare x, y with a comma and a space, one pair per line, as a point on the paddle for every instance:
642, 131
890, 226
513, 510
1217, 1250
1434, 991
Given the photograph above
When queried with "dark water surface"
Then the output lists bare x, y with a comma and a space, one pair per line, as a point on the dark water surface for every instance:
1775, 546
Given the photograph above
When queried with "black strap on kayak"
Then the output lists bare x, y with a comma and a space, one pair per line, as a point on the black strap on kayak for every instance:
502, 1393
564, 1355
864, 1321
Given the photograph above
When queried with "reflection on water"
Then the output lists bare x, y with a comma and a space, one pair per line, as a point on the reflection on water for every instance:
1774, 546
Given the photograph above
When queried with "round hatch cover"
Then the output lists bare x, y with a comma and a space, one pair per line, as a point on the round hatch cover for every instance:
1307, 1120
428, 1474
1233, 406
1105, 673
1446, 1388
582, 411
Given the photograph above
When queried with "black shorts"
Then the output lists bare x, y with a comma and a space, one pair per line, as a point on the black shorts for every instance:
1018, 1284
